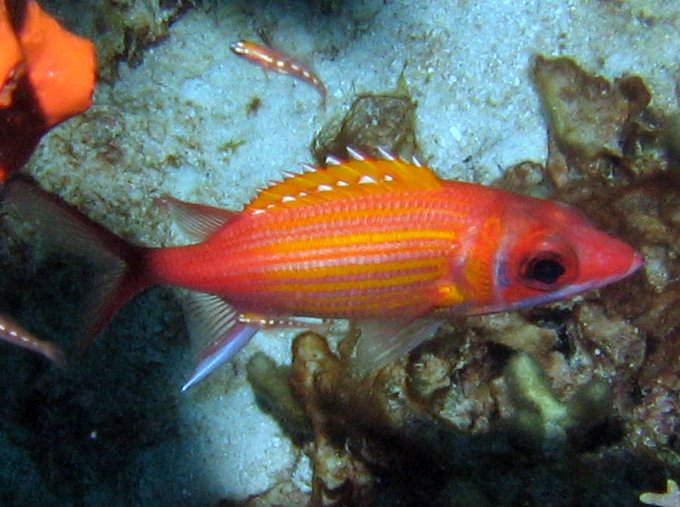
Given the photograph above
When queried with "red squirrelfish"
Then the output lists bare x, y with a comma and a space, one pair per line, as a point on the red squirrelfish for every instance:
271, 59
382, 242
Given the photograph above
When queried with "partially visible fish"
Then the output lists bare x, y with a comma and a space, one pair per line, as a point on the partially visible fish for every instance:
382, 242
13, 333
270, 59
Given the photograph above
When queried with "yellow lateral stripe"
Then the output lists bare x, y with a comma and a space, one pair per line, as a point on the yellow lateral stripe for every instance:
355, 285
335, 216
367, 305
362, 299
363, 214
269, 260
369, 238
359, 268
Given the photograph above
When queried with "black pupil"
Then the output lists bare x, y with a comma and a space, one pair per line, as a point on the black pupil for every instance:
545, 270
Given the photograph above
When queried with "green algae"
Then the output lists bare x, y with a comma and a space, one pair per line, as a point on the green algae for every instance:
541, 416
230, 145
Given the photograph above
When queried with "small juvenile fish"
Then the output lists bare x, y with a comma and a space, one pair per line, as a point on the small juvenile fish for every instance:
382, 242
270, 59
13, 333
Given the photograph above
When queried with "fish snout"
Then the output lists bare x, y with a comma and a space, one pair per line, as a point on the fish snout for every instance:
605, 259
636, 263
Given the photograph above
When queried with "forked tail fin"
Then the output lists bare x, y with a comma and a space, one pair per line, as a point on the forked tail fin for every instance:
120, 265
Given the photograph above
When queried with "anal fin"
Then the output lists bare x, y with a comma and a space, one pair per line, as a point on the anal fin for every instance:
218, 331
215, 332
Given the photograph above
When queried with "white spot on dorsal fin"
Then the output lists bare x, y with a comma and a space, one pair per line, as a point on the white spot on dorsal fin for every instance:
366, 179
416, 161
342, 183
386, 154
355, 154
308, 168
388, 177
324, 188
333, 160
287, 198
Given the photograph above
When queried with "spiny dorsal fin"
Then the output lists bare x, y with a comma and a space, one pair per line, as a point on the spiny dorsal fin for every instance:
345, 178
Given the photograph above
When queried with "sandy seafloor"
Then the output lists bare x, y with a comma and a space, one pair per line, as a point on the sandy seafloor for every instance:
177, 123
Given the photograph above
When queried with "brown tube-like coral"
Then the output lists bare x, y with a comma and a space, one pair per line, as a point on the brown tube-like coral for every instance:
47, 75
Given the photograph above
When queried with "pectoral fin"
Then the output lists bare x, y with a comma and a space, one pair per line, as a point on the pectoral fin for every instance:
383, 341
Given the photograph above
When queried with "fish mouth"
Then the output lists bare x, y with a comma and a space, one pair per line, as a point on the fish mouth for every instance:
636, 263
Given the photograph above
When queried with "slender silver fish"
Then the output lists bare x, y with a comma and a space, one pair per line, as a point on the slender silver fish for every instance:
271, 59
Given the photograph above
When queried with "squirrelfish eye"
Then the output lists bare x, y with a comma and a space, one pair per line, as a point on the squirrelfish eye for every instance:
543, 270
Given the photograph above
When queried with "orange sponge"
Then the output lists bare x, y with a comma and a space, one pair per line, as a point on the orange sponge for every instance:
11, 58
47, 75
61, 66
